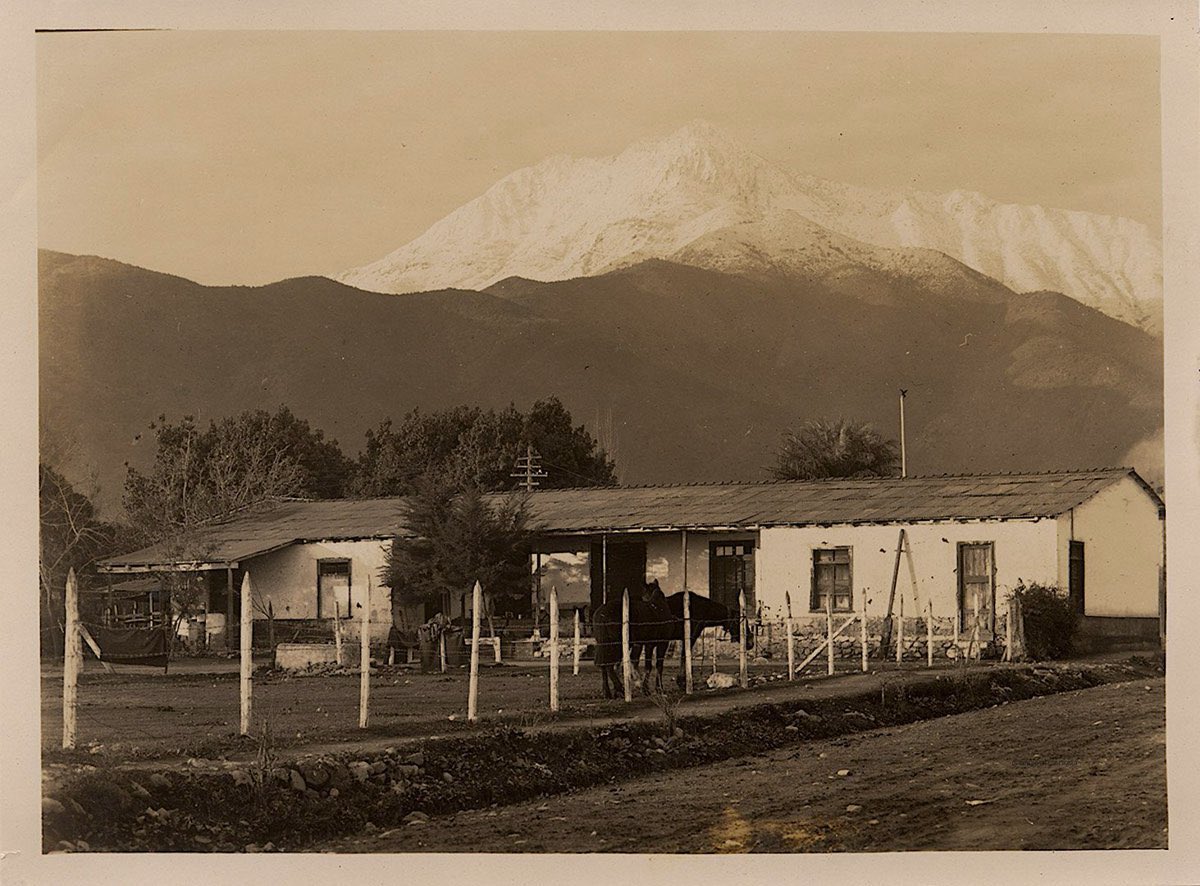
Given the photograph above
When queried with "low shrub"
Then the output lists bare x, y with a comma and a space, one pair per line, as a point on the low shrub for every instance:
1049, 620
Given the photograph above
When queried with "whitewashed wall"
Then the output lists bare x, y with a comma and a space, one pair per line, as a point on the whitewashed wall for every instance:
1122, 538
1024, 550
288, 579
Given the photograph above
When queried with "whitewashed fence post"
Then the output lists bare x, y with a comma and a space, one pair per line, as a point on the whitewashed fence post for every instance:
578, 648
791, 642
829, 632
863, 631
247, 664
929, 635
364, 659
743, 676
72, 661
688, 682
553, 649
626, 665
442, 647
337, 631
473, 683
900, 633
1008, 631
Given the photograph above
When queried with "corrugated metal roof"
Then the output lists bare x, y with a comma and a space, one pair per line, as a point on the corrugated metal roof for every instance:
639, 508
868, 500
271, 526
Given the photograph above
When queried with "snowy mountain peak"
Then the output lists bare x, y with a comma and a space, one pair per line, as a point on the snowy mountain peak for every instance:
569, 217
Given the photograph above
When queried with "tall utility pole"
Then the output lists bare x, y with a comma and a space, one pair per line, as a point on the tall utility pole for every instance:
529, 469
903, 450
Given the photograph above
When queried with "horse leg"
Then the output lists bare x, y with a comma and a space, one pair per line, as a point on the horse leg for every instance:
604, 669
660, 660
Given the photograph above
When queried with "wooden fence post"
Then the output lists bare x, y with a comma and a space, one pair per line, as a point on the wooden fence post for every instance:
688, 684
829, 632
364, 660
626, 667
72, 661
246, 632
578, 648
473, 685
553, 649
929, 635
863, 631
337, 631
743, 676
1008, 631
791, 642
900, 633
442, 647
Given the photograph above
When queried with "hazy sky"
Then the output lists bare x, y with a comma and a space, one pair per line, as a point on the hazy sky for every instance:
247, 157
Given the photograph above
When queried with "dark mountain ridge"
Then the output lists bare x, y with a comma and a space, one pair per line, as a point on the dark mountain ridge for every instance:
701, 370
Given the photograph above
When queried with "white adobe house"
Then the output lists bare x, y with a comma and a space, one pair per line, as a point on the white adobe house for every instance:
1098, 534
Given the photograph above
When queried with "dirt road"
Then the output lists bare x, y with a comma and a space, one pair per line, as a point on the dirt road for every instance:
1080, 770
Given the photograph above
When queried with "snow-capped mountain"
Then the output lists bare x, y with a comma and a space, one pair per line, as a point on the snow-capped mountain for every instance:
697, 197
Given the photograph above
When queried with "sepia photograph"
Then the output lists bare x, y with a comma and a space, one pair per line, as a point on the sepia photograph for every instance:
644, 442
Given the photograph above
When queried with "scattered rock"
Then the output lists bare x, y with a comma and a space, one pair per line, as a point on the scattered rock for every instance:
447, 777
297, 781
317, 776
417, 759
64, 846
415, 815
408, 770
843, 772
52, 807
854, 807
159, 780
360, 769
791, 728
251, 847
333, 792
239, 776
138, 790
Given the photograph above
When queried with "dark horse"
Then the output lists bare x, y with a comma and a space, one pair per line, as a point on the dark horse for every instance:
651, 628
703, 613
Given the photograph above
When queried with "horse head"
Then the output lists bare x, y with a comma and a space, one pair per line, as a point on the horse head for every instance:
652, 593
733, 624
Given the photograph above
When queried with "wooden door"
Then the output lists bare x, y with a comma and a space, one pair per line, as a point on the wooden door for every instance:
977, 587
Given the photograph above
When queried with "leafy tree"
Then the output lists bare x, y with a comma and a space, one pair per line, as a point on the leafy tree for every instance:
71, 536
200, 474
458, 537
468, 446
839, 448
236, 462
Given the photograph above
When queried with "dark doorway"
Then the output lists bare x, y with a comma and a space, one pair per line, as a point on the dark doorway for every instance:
626, 568
1075, 577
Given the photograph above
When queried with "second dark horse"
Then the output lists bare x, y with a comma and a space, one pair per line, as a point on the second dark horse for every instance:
651, 628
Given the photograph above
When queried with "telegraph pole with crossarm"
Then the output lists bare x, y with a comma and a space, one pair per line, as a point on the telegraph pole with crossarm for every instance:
529, 469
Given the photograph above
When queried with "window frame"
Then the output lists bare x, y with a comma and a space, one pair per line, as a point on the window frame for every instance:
751, 555
814, 600
322, 562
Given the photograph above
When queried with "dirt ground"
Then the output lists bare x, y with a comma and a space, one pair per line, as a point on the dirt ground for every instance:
1080, 770
142, 715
